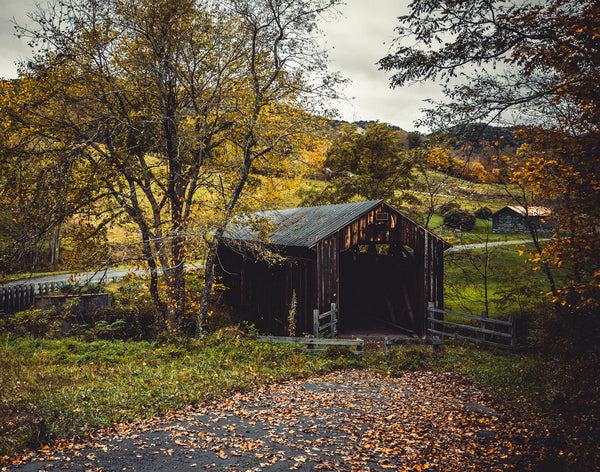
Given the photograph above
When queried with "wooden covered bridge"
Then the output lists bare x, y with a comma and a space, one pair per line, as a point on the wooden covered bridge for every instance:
378, 266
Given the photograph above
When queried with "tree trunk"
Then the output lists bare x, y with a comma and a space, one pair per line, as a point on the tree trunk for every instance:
55, 245
175, 280
211, 259
209, 278
148, 255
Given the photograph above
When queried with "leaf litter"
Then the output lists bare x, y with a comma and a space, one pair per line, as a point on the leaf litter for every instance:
345, 421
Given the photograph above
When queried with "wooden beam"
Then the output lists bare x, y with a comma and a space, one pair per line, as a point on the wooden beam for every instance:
358, 344
389, 341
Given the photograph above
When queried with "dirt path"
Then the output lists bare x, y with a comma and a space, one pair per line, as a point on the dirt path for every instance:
344, 421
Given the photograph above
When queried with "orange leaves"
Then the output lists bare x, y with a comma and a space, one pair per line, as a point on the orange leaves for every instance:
355, 420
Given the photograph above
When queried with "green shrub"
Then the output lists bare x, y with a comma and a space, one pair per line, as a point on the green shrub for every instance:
483, 213
33, 322
460, 219
75, 289
130, 317
447, 207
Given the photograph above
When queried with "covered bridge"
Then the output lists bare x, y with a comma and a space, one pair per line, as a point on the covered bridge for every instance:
376, 264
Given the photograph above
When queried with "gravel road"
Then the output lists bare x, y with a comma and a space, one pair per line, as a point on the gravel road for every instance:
344, 421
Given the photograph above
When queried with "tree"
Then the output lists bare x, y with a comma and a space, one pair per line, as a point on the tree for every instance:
539, 65
414, 140
370, 164
170, 105
483, 213
280, 47
459, 219
40, 187
475, 268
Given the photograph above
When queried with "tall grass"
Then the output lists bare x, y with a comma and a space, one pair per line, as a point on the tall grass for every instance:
53, 388
67, 388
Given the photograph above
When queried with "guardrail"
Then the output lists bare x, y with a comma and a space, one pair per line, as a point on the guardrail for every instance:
14, 298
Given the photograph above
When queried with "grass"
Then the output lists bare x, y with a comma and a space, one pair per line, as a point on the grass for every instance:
61, 389
478, 235
516, 285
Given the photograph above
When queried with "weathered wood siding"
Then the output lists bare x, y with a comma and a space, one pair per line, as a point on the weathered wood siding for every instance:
507, 220
327, 273
383, 225
264, 292
374, 227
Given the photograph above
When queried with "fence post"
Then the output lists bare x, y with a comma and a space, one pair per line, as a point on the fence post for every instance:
334, 320
316, 323
30, 295
513, 331
431, 316
19, 295
483, 325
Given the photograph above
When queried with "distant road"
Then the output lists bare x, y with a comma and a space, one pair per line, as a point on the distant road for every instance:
82, 278
496, 243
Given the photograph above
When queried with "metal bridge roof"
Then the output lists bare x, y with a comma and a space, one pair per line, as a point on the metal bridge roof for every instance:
300, 227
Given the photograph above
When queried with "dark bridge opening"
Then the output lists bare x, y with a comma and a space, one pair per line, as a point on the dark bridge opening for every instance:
377, 288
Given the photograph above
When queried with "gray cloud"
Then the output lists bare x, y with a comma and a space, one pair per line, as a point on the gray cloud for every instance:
355, 41
13, 49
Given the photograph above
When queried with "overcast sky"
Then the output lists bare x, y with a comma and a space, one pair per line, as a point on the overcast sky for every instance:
356, 41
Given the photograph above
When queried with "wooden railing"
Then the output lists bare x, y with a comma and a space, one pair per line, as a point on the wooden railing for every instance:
17, 298
390, 341
323, 328
21, 297
313, 343
488, 331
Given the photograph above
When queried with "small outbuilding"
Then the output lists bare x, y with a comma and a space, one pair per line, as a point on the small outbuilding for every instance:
516, 219
378, 266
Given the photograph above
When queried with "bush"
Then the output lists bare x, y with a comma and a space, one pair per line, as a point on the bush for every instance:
447, 207
132, 314
76, 289
34, 322
483, 213
460, 219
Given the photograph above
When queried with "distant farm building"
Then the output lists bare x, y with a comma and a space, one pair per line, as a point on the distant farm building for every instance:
516, 219
379, 267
